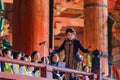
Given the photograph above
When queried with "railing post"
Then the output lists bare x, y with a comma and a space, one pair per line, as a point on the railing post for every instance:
93, 77
49, 72
43, 72
100, 73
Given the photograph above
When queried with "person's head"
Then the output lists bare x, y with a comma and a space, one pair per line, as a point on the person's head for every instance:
45, 59
54, 58
96, 53
28, 57
17, 55
90, 69
24, 59
6, 53
70, 33
35, 56
86, 68
31, 69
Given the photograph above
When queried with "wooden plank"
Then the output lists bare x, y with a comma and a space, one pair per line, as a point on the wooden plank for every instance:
72, 71
108, 78
8, 1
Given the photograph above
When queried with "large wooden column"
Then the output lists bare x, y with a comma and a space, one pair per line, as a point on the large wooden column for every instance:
96, 14
30, 25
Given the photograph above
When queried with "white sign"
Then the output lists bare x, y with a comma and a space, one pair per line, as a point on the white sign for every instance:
61, 64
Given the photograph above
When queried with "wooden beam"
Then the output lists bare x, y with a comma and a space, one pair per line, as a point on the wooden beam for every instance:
8, 1
70, 21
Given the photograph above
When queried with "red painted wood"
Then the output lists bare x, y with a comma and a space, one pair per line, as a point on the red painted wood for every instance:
71, 71
96, 33
111, 4
8, 1
19, 77
30, 25
108, 78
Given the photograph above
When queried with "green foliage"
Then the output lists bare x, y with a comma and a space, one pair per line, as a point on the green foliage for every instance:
6, 44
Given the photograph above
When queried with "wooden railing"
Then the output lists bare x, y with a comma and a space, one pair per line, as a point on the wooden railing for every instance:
45, 74
107, 78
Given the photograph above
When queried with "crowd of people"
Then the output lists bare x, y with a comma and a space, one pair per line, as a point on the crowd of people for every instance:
72, 60
52, 60
16, 68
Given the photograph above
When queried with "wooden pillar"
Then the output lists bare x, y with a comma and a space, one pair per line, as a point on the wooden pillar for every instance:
96, 34
30, 25
51, 15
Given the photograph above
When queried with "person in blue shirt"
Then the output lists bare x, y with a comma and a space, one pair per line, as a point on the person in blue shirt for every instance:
54, 60
16, 67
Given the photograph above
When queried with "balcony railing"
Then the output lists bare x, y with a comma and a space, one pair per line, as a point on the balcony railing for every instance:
46, 73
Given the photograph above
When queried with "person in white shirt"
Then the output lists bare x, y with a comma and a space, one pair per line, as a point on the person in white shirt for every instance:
16, 67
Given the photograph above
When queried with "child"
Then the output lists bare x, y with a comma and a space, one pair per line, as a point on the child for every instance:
16, 67
45, 60
86, 69
54, 62
23, 69
7, 66
35, 58
29, 69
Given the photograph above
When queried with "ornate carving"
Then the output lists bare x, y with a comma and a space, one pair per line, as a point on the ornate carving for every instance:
116, 30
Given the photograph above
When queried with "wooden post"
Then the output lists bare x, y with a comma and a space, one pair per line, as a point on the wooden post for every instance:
96, 35
94, 76
47, 72
30, 25
100, 74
